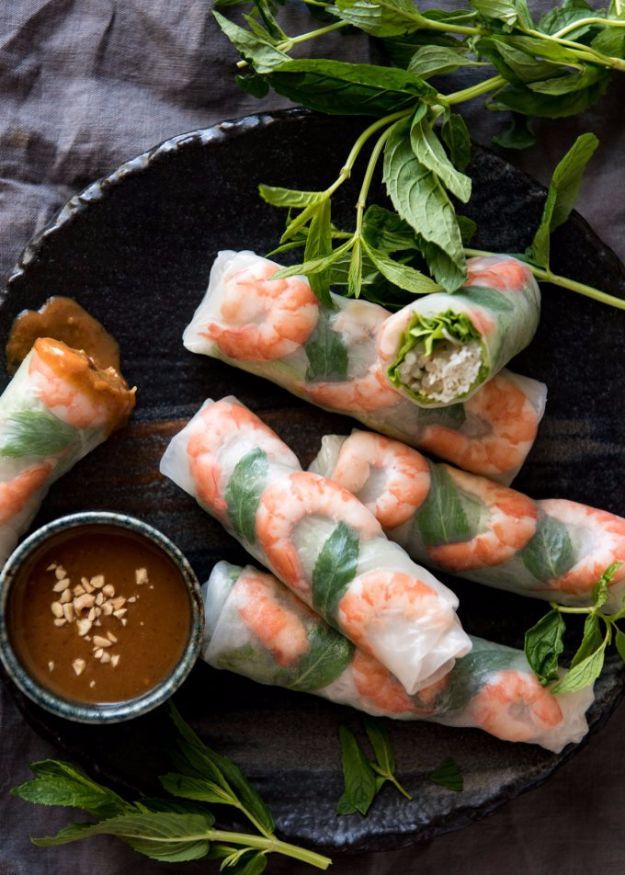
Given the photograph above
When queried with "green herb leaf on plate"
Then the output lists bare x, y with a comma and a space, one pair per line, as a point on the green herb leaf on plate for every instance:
430, 61
319, 245
448, 775
361, 784
287, 197
384, 764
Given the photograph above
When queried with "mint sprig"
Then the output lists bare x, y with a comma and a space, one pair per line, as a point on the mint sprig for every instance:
544, 642
552, 68
175, 829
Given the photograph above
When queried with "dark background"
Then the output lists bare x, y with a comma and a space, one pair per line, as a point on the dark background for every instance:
86, 84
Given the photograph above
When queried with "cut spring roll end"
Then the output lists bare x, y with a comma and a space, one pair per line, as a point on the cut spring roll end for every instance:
258, 629
441, 359
319, 539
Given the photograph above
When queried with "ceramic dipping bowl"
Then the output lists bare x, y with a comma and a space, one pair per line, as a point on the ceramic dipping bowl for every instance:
117, 528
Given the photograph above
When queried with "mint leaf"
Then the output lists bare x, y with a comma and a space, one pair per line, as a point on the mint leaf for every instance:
428, 150
319, 245
327, 354
567, 13
199, 760
360, 781
334, 570
159, 835
198, 789
521, 99
384, 765
401, 275
287, 197
448, 775
340, 88
448, 515
561, 195
421, 200
257, 50
243, 493
385, 231
60, 783
354, 276
36, 433
456, 137
503, 10
382, 18
437, 60
550, 552
544, 645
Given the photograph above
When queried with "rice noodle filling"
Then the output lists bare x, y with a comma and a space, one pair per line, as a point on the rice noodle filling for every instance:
444, 376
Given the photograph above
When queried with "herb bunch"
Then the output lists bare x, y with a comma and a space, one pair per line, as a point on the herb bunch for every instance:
177, 828
544, 642
552, 68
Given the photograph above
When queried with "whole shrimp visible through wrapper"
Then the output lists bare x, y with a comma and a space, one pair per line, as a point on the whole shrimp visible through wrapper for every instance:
319, 540
331, 356
463, 524
56, 409
257, 628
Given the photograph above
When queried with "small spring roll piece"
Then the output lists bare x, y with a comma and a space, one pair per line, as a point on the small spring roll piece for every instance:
441, 348
470, 526
257, 628
277, 329
56, 409
319, 540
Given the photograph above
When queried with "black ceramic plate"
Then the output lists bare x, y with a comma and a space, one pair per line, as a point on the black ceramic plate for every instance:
136, 249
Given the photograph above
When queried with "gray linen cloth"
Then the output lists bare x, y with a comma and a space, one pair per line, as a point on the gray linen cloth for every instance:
85, 86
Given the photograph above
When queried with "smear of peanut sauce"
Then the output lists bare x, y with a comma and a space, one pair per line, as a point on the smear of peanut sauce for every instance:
62, 319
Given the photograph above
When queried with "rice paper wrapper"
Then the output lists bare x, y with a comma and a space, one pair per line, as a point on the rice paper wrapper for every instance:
329, 356
319, 540
51, 415
552, 549
256, 628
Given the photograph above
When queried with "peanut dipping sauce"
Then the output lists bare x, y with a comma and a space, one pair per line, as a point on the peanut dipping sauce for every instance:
62, 319
99, 614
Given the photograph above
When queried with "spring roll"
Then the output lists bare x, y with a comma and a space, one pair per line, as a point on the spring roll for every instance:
257, 628
56, 409
470, 526
278, 329
319, 540
441, 348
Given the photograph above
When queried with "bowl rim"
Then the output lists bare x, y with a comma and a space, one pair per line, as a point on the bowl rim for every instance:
106, 712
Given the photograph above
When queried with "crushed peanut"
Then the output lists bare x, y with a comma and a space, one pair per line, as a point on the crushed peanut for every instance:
72, 602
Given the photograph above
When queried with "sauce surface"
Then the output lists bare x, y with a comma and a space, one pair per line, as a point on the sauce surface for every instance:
62, 319
99, 614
